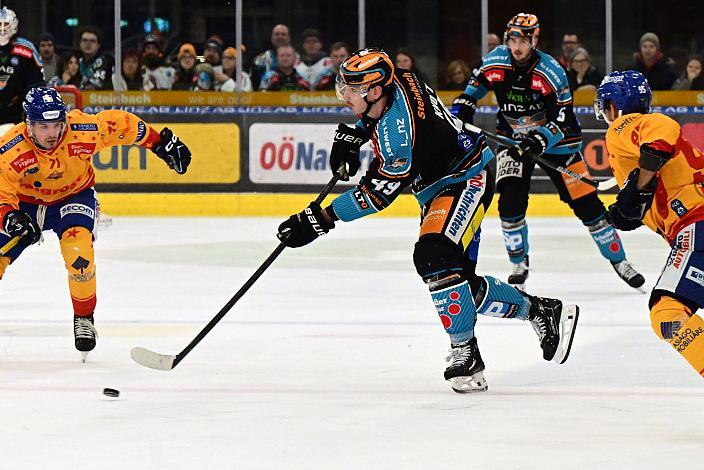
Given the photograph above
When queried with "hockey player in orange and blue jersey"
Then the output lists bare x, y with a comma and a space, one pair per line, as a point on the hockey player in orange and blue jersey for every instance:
661, 177
46, 183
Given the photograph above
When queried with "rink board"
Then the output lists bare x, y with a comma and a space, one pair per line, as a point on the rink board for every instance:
281, 204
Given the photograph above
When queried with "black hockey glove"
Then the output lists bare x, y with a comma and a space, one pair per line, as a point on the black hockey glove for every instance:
464, 107
18, 224
345, 150
173, 151
302, 228
631, 203
535, 143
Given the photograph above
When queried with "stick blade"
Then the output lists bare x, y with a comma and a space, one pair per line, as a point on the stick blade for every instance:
147, 358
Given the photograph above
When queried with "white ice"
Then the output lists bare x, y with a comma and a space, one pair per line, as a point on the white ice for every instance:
334, 359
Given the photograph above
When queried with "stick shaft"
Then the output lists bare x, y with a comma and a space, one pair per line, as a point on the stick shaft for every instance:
250, 282
502, 141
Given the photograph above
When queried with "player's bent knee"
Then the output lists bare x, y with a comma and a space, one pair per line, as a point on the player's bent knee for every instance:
667, 316
436, 256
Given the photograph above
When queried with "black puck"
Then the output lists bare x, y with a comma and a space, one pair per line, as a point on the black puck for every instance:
111, 392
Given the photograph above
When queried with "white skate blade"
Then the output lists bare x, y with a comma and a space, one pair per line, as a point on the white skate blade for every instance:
84, 356
568, 326
472, 384
152, 360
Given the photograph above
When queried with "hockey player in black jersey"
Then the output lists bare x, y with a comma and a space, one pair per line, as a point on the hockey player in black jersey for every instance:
418, 143
536, 117
20, 69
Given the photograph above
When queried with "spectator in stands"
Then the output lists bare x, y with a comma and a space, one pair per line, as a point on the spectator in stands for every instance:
653, 64
405, 60
185, 77
67, 72
212, 51
570, 42
492, 42
457, 75
96, 68
131, 77
225, 80
314, 61
157, 76
692, 79
581, 74
266, 61
284, 76
339, 52
50, 61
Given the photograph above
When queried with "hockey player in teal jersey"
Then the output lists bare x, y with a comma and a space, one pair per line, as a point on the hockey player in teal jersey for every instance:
536, 117
418, 143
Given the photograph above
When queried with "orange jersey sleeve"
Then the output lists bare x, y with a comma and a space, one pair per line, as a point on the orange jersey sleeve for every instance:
34, 175
679, 197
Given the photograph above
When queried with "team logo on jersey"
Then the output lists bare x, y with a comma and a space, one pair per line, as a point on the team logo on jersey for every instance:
495, 75
3, 81
695, 275
142, 131
55, 175
678, 207
23, 51
80, 209
15, 140
81, 148
538, 83
84, 126
24, 161
361, 200
31, 170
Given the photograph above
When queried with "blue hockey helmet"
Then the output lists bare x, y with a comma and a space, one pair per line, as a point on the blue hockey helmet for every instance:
44, 104
628, 91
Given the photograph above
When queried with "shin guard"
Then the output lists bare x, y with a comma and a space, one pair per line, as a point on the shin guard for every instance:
79, 258
515, 239
455, 306
498, 299
607, 240
674, 322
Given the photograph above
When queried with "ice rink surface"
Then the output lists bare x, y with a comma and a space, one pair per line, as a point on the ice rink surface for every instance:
334, 359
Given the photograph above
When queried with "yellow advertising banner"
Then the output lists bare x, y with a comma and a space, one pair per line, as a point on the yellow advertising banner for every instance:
318, 98
215, 150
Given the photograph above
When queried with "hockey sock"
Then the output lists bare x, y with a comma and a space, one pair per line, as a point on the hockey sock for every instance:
607, 240
498, 299
515, 239
674, 322
79, 258
4, 263
455, 306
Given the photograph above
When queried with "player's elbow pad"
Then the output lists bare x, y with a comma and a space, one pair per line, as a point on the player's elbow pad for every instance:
652, 159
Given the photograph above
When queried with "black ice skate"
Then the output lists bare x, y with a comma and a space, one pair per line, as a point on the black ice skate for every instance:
465, 372
85, 334
519, 276
627, 272
555, 325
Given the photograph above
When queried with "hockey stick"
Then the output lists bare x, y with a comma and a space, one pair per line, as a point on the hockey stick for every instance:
155, 360
9, 245
601, 186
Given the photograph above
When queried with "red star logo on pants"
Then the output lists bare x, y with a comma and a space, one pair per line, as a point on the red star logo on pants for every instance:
73, 232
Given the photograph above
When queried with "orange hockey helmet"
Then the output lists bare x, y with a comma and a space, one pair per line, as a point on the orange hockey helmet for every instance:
523, 25
363, 70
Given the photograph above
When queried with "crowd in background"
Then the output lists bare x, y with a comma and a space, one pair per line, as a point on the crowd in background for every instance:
213, 65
